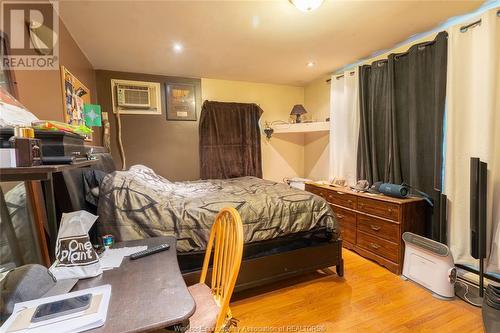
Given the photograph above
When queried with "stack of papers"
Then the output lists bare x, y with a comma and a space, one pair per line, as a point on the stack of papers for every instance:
112, 258
94, 316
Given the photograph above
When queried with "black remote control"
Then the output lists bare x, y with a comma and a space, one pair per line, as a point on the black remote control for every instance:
149, 251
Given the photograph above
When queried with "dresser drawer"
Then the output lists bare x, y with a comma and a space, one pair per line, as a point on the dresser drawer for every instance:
379, 208
378, 227
378, 246
317, 190
347, 221
342, 199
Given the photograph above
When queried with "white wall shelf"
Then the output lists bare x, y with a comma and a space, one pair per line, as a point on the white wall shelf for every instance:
319, 126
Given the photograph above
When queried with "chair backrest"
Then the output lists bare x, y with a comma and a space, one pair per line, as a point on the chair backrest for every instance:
226, 241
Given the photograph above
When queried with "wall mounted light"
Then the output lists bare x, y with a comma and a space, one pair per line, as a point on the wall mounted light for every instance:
269, 132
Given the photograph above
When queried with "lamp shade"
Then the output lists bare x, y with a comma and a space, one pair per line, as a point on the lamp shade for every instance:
298, 109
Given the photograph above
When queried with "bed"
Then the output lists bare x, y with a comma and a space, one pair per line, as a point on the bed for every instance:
287, 231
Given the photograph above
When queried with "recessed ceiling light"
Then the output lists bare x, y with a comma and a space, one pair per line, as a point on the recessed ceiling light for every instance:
177, 47
255, 21
306, 5
310, 64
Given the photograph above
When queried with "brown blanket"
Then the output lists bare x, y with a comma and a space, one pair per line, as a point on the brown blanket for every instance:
139, 203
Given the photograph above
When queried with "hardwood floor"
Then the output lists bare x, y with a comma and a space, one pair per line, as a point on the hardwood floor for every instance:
368, 299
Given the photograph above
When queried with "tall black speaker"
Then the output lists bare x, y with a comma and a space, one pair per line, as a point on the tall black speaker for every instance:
443, 202
478, 188
478, 197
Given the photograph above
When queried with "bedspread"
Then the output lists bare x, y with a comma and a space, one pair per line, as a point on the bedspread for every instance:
138, 203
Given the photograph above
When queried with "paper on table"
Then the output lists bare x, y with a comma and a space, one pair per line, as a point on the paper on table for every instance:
93, 317
23, 319
112, 258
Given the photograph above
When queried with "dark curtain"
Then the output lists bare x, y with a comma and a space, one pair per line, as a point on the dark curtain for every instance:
375, 109
408, 132
230, 140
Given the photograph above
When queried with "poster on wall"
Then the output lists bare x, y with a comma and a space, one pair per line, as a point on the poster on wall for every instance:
75, 95
181, 101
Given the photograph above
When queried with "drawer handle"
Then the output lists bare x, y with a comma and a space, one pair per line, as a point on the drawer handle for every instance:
340, 216
349, 201
361, 205
389, 210
374, 227
375, 246
341, 193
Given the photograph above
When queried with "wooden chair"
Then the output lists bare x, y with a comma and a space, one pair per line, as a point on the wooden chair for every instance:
212, 303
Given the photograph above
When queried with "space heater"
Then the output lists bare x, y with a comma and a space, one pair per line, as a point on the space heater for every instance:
430, 264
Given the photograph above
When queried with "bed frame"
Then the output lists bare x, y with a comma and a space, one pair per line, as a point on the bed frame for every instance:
255, 271
259, 271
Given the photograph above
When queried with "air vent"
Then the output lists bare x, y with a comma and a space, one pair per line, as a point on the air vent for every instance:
426, 243
136, 97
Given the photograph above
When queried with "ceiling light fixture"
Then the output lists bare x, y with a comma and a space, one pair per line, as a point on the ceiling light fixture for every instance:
306, 5
255, 21
310, 64
177, 47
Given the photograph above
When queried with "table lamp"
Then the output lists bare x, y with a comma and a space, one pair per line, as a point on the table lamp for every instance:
298, 110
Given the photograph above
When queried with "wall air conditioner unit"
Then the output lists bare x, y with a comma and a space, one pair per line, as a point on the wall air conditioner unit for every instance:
136, 97
430, 264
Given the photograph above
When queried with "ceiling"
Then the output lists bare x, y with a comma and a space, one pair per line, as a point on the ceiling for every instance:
260, 41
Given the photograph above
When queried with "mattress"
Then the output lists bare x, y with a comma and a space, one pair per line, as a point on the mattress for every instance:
138, 203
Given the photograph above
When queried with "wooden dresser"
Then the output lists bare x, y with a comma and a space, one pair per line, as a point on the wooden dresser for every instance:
372, 225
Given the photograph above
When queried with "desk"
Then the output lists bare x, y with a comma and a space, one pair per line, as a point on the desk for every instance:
42, 173
146, 294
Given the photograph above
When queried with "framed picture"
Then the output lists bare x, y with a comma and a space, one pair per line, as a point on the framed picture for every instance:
75, 94
181, 101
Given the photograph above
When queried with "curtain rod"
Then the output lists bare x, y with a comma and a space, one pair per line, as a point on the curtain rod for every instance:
462, 29
471, 25
381, 62
340, 76
420, 46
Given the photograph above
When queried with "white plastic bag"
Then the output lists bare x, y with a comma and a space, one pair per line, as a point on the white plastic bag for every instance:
75, 256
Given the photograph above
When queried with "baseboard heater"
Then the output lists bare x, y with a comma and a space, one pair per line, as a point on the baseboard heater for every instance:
430, 264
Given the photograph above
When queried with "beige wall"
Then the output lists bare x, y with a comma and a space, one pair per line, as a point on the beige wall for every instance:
317, 98
171, 147
316, 145
283, 154
316, 155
